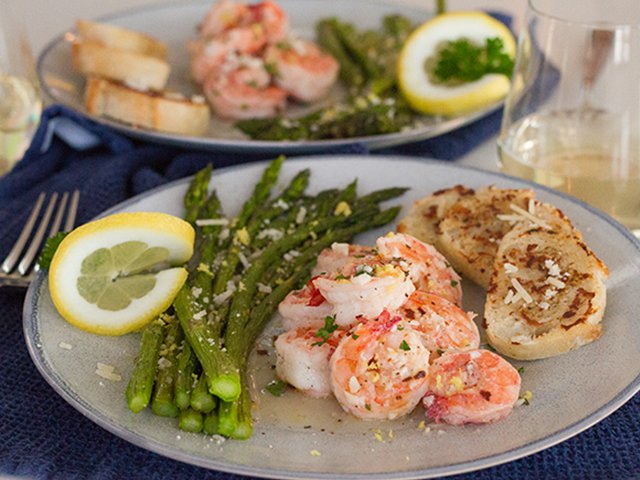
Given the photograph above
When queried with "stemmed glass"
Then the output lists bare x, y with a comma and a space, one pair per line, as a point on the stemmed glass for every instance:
571, 118
20, 100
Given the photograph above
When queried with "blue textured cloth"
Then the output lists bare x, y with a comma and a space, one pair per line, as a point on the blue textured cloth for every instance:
42, 436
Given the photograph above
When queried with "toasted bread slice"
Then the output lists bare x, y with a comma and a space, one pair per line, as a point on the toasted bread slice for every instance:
166, 112
424, 215
121, 38
471, 229
546, 295
142, 72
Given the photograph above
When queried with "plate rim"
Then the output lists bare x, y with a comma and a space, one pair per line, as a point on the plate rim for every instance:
30, 307
373, 142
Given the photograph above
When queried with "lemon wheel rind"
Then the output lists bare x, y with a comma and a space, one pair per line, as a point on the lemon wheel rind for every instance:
414, 83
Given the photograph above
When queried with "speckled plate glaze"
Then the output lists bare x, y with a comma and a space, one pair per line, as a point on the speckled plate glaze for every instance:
570, 392
175, 23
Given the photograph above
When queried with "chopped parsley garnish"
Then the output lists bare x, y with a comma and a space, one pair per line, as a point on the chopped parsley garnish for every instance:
367, 406
325, 332
461, 61
439, 352
405, 346
276, 387
49, 249
520, 369
355, 336
362, 269
341, 277
454, 283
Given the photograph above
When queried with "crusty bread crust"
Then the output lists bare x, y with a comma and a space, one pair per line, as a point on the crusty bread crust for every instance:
547, 294
164, 112
121, 38
423, 217
134, 69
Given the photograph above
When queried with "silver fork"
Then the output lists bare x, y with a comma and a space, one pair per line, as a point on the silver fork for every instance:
28, 245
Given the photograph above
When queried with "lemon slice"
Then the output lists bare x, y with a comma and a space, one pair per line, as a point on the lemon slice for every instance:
114, 275
414, 82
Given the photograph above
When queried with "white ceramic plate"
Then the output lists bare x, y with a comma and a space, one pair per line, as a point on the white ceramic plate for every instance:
570, 392
175, 24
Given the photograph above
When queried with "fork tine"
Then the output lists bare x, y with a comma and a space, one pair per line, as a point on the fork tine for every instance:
14, 254
73, 210
29, 256
57, 220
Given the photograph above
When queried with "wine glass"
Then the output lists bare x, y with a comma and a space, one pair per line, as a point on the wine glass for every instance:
571, 118
20, 99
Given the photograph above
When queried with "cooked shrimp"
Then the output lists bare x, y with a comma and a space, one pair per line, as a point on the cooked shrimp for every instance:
244, 91
334, 259
303, 360
364, 291
223, 15
471, 387
428, 269
445, 325
380, 370
209, 54
302, 69
266, 19
271, 18
304, 308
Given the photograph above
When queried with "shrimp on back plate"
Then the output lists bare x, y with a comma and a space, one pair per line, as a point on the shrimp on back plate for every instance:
427, 267
223, 15
302, 69
241, 89
266, 19
380, 370
445, 325
304, 308
208, 55
303, 360
334, 259
471, 387
363, 290
271, 18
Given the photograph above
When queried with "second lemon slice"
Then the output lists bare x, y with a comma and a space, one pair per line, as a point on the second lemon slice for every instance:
114, 275
436, 99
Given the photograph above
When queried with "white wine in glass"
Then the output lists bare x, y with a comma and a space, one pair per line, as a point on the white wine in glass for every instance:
571, 118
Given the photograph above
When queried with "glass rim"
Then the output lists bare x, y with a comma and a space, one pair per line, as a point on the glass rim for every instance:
604, 25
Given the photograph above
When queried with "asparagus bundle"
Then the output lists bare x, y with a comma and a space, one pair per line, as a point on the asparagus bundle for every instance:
368, 69
197, 354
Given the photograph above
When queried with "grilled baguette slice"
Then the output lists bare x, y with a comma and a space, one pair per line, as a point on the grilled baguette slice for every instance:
546, 295
158, 111
470, 231
140, 71
121, 38
424, 215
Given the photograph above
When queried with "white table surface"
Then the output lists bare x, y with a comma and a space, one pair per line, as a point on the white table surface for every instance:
45, 19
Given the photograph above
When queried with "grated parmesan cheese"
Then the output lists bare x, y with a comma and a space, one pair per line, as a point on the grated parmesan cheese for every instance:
212, 222
521, 290
555, 282
302, 213
510, 268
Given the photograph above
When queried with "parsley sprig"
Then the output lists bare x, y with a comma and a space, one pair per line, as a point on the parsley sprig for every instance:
325, 332
461, 61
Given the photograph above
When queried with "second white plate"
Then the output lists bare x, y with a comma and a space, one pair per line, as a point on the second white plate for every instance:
175, 24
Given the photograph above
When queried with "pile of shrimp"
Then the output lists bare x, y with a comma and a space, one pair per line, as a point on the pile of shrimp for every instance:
249, 63
381, 328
